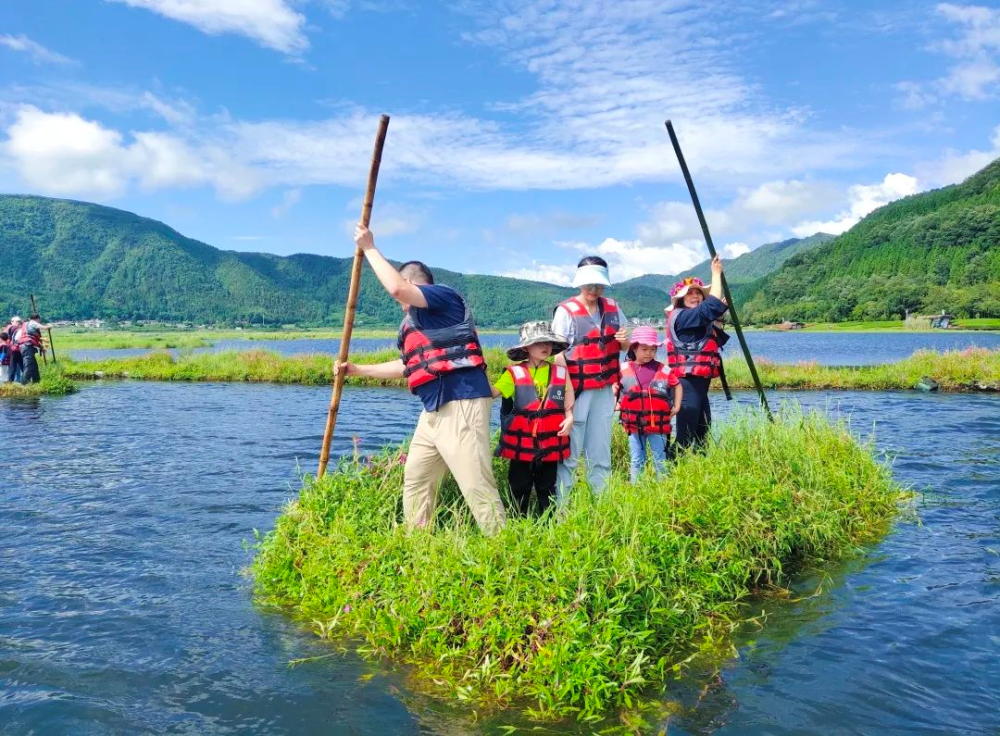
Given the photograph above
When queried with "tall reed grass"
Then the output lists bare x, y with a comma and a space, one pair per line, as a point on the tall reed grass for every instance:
575, 615
973, 369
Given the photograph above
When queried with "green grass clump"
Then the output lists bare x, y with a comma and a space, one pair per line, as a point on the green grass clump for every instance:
972, 369
587, 612
53, 383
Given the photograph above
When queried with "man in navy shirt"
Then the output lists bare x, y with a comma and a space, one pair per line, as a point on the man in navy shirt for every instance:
453, 432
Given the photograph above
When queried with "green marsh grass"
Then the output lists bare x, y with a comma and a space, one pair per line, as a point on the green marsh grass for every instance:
972, 369
78, 339
53, 383
597, 609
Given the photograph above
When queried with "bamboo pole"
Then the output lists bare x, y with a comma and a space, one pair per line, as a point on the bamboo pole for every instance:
52, 347
352, 298
725, 284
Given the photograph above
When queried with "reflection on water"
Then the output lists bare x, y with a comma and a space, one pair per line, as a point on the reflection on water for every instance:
122, 608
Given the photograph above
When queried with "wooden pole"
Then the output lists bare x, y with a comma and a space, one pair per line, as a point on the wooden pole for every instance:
34, 311
725, 285
352, 298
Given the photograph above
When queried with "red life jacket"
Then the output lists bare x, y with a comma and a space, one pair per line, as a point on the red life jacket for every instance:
533, 429
697, 358
592, 359
646, 410
24, 337
430, 353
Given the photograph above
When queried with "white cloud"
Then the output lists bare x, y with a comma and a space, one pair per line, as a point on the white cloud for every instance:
956, 166
781, 202
595, 119
289, 198
975, 80
38, 53
272, 23
66, 154
177, 112
546, 272
734, 250
976, 73
630, 258
863, 199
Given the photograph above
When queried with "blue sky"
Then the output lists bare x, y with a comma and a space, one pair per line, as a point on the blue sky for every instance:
524, 134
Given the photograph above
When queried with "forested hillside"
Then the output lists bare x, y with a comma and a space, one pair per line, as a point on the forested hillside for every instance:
939, 250
84, 260
761, 261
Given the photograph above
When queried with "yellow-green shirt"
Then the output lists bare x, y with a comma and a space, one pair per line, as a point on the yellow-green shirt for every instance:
540, 375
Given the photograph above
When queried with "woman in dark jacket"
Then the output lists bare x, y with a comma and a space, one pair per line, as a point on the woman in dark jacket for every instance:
693, 350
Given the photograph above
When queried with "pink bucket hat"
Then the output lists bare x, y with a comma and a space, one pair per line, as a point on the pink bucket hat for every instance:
645, 336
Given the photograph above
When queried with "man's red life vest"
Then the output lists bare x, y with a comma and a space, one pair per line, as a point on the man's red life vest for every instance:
646, 410
697, 358
24, 337
592, 359
428, 354
533, 430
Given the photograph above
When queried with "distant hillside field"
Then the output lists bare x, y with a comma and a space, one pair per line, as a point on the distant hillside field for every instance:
85, 260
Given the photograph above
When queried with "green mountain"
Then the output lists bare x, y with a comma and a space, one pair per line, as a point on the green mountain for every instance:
84, 260
939, 250
761, 261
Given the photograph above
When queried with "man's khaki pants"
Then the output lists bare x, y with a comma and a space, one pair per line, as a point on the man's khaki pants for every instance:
456, 437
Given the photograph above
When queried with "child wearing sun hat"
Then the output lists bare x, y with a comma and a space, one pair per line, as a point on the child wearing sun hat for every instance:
650, 396
536, 415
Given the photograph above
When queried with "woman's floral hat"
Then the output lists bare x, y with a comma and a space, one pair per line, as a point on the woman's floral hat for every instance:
682, 287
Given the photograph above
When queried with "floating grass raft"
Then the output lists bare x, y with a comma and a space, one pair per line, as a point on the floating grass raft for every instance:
590, 611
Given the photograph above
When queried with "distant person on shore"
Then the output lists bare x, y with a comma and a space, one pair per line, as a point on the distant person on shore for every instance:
29, 341
594, 327
442, 361
649, 398
536, 415
16, 360
693, 350
4, 357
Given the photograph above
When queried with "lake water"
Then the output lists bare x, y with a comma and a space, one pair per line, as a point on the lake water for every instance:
123, 610
830, 348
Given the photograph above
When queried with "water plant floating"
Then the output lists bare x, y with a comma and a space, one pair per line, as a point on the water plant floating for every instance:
590, 611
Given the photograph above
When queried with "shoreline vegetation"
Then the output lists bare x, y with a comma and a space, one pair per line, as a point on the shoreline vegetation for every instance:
164, 337
54, 383
969, 370
598, 609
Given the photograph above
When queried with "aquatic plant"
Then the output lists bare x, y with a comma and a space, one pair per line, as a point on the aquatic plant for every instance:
53, 383
953, 370
588, 611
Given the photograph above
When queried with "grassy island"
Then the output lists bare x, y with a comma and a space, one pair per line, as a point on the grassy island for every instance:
592, 611
973, 369
53, 383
